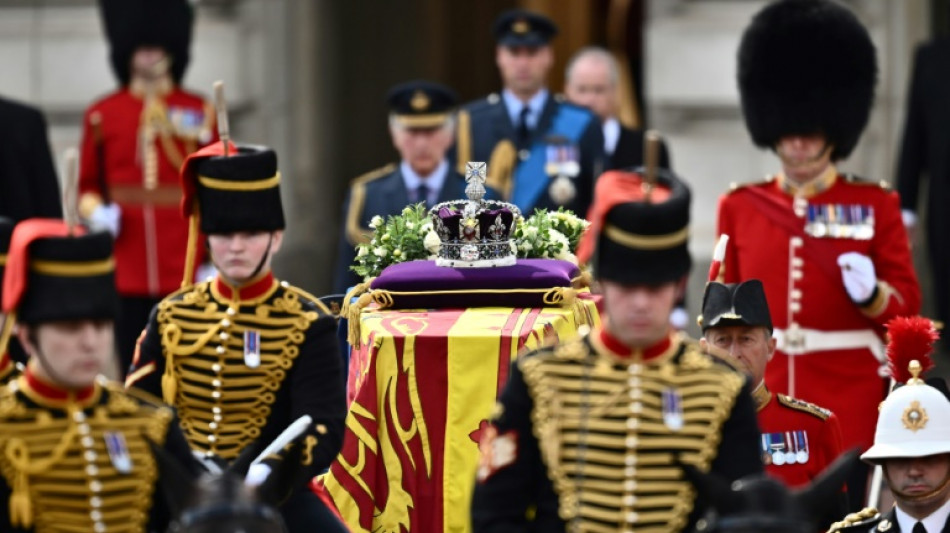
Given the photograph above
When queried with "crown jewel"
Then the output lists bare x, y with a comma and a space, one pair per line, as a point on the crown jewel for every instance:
475, 232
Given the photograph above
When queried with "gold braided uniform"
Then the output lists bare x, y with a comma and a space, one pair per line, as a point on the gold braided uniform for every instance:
59, 472
242, 364
597, 436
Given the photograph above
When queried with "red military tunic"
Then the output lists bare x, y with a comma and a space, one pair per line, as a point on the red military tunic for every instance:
807, 436
150, 248
829, 349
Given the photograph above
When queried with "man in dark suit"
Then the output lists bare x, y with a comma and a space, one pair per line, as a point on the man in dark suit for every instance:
591, 80
28, 185
541, 152
924, 151
421, 122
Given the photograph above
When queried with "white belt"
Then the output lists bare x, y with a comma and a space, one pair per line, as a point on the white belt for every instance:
798, 341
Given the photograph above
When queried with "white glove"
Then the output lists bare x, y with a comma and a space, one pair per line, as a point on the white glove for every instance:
857, 272
106, 217
679, 318
256, 474
205, 271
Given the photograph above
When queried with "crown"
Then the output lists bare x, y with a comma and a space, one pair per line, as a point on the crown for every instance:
475, 232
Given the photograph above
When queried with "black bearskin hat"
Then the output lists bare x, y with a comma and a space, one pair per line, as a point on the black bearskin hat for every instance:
805, 67
130, 24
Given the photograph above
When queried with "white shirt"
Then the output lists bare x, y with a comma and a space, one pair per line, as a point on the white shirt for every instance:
514, 106
611, 135
433, 181
933, 523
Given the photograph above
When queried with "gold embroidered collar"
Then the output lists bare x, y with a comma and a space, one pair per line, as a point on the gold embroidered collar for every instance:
819, 184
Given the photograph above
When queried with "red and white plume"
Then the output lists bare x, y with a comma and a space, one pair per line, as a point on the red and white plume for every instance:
909, 338
719, 253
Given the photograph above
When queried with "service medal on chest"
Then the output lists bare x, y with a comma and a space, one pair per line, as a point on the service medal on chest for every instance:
118, 451
252, 348
672, 409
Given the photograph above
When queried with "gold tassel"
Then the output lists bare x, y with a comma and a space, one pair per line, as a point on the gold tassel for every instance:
7, 330
583, 280
21, 508
353, 319
352, 311
169, 385
188, 277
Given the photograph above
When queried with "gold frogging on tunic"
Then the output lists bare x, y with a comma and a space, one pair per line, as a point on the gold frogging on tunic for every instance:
600, 424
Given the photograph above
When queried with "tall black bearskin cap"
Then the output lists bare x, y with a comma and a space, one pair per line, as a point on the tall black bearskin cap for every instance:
56, 273
643, 240
735, 304
806, 67
130, 24
6, 233
239, 192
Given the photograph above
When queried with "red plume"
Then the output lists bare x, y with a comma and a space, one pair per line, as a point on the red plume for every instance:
910, 338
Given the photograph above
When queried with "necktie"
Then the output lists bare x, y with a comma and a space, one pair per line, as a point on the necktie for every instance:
522, 130
422, 195
919, 528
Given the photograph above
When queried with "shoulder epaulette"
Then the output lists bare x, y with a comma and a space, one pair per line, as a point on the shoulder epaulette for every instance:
854, 179
355, 233
483, 103
373, 175
304, 295
863, 520
802, 405
735, 186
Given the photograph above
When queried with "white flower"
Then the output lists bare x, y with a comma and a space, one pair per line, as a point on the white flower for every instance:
529, 232
514, 247
558, 238
385, 237
380, 251
526, 246
397, 252
376, 222
566, 255
432, 242
410, 225
362, 251
407, 210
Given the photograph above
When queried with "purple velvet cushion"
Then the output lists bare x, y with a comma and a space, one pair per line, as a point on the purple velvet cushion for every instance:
423, 285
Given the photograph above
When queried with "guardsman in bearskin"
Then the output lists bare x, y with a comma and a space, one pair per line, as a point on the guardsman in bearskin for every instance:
541, 151
589, 435
912, 441
74, 450
242, 355
799, 439
133, 143
7, 362
422, 124
829, 248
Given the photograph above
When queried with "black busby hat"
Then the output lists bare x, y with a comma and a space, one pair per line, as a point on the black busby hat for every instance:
806, 67
130, 24
57, 273
421, 103
519, 27
6, 233
735, 304
239, 192
641, 239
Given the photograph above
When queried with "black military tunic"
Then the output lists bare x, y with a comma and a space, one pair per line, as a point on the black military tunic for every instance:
586, 439
243, 364
81, 462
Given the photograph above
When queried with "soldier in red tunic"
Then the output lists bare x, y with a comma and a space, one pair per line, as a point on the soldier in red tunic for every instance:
799, 439
830, 249
133, 143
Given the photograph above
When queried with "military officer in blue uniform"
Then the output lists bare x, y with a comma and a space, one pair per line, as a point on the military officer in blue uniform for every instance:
541, 151
422, 123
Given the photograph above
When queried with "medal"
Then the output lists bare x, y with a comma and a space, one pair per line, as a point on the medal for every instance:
118, 451
672, 409
778, 458
801, 438
252, 348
